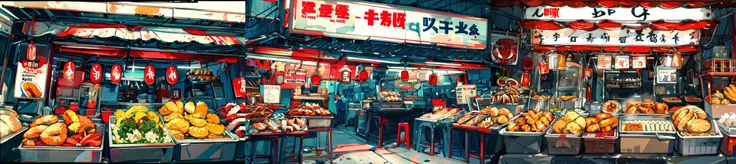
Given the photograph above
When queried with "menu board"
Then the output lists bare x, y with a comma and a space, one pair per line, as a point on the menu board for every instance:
464, 92
604, 62
271, 94
31, 74
638, 62
622, 62
666, 75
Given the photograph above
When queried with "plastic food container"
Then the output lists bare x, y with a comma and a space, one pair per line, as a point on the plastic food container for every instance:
652, 142
595, 143
10, 142
728, 141
563, 144
64, 153
158, 152
316, 121
206, 150
700, 145
524, 142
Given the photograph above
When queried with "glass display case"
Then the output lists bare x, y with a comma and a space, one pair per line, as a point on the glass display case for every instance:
569, 87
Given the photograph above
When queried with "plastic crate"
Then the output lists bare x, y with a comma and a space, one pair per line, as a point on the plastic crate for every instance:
600, 144
555, 144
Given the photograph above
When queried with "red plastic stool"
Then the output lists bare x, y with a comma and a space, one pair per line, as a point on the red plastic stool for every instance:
406, 139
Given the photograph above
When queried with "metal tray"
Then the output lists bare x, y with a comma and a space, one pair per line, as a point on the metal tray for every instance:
505, 132
8, 145
158, 152
646, 118
502, 126
206, 149
316, 121
64, 153
725, 130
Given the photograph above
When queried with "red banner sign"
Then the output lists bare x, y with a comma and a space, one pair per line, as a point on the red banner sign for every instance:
95, 73
149, 74
239, 87
31, 52
116, 73
172, 75
69, 71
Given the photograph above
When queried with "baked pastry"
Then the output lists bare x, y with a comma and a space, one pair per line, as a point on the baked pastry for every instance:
493, 112
612, 122
570, 116
573, 128
611, 106
698, 126
559, 126
592, 128
602, 116
590, 121
648, 103
580, 121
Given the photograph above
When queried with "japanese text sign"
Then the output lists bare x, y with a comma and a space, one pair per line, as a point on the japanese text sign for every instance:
604, 62
626, 14
172, 75
360, 20
239, 87
638, 62
69, 71
624, 37
95, 73
116, 74
622, 62
149, 74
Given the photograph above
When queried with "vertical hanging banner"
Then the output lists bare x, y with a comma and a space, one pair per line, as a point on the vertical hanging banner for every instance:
361, 20
95, 73
271, 94
116, 73
31, 52
172, 75
31, 74
69, 69
239, 87
149, 74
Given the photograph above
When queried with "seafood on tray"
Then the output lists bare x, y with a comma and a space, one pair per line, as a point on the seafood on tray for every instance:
531, 121
74, 130
195, 123
9, 122
645, 107
506, 95
391, 96
137, 125
309, 109
441, 113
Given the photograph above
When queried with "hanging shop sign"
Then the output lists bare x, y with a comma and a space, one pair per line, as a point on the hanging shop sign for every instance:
95, 73
525, 79
622, 62
116, 73
604, 62
345, 74
69, 69
505, 49
149, 74
361, 20
465, 92
271, 94
638, 62
628, 14
239, 87
172, 75
31, 75
552, 64
624, 37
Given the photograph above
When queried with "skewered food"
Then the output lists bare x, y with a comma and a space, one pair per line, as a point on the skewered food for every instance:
196, 124
74, 130
648, 125
138, 125
506, 95
391, 96
531, 121
601, 123
611, 106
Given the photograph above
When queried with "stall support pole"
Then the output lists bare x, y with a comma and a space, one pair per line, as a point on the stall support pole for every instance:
467, 153
482, 147
733, 35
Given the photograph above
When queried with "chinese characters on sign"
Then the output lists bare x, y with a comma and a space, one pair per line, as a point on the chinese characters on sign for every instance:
271, 94
116, 74
360, 20
604, 62
31, 52
464, 92
69, 71
622, 62
95, 73
149, 74
31, 74
239, 87
638, 62
630, 14
624, 37
172, 75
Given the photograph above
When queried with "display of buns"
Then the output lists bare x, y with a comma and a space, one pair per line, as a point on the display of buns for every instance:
391, 96
718, 99
571, 123
506, 95
531, 121
692, 120
441, 113
309, 109
9, 122
540, 97
496, 117
648, 126
729, 92
645, 107
611, 106
601, 123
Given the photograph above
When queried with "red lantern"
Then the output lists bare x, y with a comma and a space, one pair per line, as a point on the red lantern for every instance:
149, 74
527, 64
532, 3
607, 3
670, 5
612, 49
316, 80
31, 52
542, 48
525, 79
363, 76
583, 25
405, 75
116, 74
172, 75
69, 71
95, 73
627, 3
432, 79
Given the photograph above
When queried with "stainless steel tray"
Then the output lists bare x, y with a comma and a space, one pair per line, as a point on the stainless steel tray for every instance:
207, 149
646, 118
64, 153
8, 145
158, 152
730, 131
505, 132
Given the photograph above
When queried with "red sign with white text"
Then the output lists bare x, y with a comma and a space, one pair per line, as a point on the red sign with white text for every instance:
149, 74
69, 71
172, 75
31, 52
239, 87
95, 73
116, 74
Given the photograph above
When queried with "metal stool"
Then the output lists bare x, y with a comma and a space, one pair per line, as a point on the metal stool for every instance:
420, 129
406, 140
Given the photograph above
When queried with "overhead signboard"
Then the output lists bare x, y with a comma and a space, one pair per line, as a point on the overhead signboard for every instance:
621, 14
362, 21
624, 37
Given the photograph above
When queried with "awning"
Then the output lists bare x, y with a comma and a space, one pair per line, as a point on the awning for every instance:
143, 53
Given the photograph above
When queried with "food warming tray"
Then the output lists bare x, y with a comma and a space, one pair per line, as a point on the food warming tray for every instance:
556, 142
64, 153
650, 142
158, 152
206, 150
7, 144
524, 142
728, 143
316, 121
700, 145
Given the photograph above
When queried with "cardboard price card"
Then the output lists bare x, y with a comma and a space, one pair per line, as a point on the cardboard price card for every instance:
464, 92
639, 62
604, 62
622, 62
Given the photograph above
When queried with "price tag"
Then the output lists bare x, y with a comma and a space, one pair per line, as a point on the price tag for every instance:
638, 61
604, 62
622, 62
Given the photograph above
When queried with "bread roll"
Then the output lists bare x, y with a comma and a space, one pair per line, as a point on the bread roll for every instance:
593, 128
570, 116
493, 112
502, 119
698, 126
612, 122
590, 121
580, 121
602, 116
574, 128
559, 126
513, 127
503, 111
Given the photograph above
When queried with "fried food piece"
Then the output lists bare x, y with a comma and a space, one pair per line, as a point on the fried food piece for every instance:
201, 109
86, 124
593, 128
28, 142
198, 132
172, 116
197, 122
168, 108
215, 128
35, 131
179, 107
54, 135
178, 124
189, 107
559, 126
177, 134
574, 128
45, 120
213, 118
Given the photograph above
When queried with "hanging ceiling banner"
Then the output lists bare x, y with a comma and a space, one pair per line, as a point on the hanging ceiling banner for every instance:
619, 14
363, 21
624, 37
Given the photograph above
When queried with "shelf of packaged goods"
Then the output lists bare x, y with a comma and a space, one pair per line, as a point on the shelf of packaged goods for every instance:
719, 74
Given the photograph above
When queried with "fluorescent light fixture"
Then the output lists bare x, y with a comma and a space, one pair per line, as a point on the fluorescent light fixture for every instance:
440, 63
188, 67
372, 60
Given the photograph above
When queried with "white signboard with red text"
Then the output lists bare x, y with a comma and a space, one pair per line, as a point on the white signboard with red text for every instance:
69, 69
638, 62
271, 94
604, 62
361, 20
239, 87
619, 14
31, 74
623, 37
